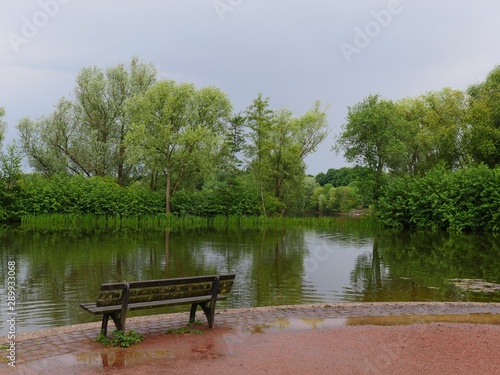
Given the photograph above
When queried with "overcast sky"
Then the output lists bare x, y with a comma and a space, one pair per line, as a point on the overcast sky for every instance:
295, 52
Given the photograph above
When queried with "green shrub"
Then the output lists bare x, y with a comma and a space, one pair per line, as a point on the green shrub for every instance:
464, 200
123, 340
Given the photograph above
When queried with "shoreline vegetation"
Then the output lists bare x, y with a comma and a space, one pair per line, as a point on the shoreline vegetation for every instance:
161, 222
154, 153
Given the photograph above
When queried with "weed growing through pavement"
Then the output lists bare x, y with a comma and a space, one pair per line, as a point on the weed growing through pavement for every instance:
184, 331
120, 339
195, 323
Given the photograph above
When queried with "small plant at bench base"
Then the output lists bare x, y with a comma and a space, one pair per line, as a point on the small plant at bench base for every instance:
118, 338
195, 323
184, 331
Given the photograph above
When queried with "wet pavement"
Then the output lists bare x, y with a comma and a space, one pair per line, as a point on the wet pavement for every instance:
65, 346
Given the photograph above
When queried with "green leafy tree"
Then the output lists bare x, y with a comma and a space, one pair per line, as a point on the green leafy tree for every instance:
235, 140
374, 136
87, 135
483, 115
46, 142
178, 130
278, 145
435, 124
307, 132
310, 184
343, 176
10, 174
286, 165
259, 119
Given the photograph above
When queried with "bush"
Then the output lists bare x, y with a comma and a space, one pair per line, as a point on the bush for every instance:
464, 200
81, 196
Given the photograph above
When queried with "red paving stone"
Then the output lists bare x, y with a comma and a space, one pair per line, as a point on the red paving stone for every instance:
36, 350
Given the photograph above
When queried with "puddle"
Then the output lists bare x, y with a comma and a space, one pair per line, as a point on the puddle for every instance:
119, 358
424, 319
94, 362
295, 324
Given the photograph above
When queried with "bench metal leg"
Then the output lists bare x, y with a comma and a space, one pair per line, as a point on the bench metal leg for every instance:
208, 310
192, 314
116, 320
104, 325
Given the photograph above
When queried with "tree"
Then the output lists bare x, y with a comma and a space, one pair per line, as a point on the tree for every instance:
435, 125
312, 129
342, 176
278, 145
483, 117
286, 165
259, 119
235, 138
374, 136
48, 142
10, 174
178, 130
87, 135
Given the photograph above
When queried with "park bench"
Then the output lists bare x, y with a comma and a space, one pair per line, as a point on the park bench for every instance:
115, 299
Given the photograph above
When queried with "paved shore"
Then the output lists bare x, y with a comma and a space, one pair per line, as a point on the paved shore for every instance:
51, 348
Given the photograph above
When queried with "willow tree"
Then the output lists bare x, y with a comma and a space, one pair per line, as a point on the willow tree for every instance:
179, 130
86, 135
47, 142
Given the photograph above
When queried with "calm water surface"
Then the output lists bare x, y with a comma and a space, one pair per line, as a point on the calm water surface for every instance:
57, 271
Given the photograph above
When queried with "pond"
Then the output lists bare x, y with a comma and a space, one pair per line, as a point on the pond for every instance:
56, 271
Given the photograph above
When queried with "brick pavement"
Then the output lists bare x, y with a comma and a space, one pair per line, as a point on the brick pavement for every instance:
43, 345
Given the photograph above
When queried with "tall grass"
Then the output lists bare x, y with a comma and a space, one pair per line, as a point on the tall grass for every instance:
59, 222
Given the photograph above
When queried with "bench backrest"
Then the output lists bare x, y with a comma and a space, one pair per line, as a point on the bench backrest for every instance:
163, 289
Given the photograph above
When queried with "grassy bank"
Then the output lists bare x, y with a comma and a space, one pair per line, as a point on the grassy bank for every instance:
59, 222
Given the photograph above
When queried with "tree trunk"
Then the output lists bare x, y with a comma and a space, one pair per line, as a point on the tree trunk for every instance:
167, 194
121, 156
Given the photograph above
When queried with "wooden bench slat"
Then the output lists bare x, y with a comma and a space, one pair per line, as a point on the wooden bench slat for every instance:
144, 294
97, 310
164, 282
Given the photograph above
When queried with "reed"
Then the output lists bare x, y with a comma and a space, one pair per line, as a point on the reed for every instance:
60, 222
